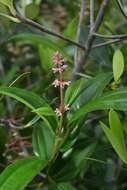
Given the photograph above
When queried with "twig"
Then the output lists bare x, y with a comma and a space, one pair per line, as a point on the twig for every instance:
79, 30
91, 15
38, 26
106, 43
119, 36
79, 66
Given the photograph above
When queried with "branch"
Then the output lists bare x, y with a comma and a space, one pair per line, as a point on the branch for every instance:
121, 8
81, 19
79, 67
38, 26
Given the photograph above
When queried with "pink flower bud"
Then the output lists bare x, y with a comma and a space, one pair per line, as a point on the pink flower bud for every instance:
58, 58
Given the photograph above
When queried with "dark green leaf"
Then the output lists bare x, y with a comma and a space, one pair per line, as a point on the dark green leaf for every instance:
95, 86
77, 164
116, 127
115, 143
18, 175
43, 141
47, 111
30, 99
115, 100
72, 92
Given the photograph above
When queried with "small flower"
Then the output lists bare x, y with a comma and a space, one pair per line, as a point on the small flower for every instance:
59, 69
56, 83
66, 107
62, 84
58, 112
58, 58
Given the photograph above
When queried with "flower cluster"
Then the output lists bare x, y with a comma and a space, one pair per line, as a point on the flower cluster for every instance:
60, 67
58, 110
61, 83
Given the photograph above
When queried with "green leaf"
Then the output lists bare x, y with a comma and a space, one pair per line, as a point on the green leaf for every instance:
111, 100
77, 164
46, 59
16, 176
32, 122
118, 64
45, 111
9, 4
72, 92
94, 87
71, 29
29, 11
116, 127
120, 150
28, 98
48, 115
43, 141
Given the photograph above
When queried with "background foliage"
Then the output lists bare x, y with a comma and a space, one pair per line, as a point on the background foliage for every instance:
26, 62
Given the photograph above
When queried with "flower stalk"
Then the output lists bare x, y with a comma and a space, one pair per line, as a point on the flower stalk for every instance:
60, 83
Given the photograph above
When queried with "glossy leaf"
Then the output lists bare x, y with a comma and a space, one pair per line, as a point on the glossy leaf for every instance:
45, 111
72, 92
16, 176
115, 100
116, 143
118, 64
43, 141
32, 122
30, 99
48, 115
94, 87
116, 127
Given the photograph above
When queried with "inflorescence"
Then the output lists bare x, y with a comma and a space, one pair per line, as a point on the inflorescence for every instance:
60, 67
